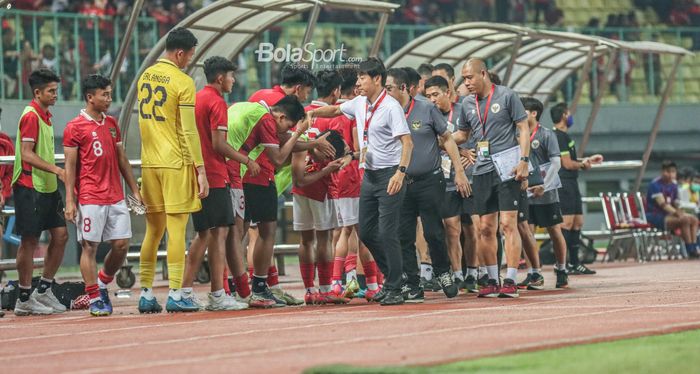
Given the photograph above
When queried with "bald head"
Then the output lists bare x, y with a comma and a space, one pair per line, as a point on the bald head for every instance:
478, 65
476, 76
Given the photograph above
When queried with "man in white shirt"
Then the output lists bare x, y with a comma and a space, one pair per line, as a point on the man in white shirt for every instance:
386, 145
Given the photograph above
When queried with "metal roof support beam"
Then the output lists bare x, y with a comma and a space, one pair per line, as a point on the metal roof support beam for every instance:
584, 79
116, 66
509, 69
657, 123
311, 26
596, 106
379, 35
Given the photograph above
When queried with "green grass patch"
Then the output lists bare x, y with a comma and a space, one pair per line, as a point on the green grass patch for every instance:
672, 353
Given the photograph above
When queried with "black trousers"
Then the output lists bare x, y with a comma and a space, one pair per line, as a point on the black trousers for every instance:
424, 198
379, 224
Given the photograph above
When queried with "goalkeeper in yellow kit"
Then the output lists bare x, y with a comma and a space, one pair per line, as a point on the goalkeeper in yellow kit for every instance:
173, 173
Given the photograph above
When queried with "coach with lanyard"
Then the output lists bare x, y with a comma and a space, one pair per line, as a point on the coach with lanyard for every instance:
491, 113
386, 145
425, 187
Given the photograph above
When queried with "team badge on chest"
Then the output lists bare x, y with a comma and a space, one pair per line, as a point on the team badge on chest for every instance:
416, 125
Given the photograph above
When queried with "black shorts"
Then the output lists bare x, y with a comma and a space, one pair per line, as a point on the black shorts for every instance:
36, 211
260, 202
523, 208
491, 195
454, 205
547, 215
570, 197
217, 210
468, 210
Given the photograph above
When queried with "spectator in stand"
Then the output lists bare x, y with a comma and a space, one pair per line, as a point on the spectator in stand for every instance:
48, 57
664, 209
99, 9
686, 196
554, 17
542, 7
7, 148
10, 57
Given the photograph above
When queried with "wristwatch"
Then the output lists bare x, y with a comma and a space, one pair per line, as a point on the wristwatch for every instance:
525, 158
402, 169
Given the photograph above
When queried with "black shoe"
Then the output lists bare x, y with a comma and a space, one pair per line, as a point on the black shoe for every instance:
447, 284
523, 285
470, 284
562, 278
412, 294
483, 281
392, 297
536, 282
430, 285
694, 255
423, 282
581, 269
379, 296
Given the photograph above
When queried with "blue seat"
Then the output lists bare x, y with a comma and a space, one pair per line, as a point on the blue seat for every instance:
10, 237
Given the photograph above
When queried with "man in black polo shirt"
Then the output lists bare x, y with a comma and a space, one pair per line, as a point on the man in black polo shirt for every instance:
425, 188
385, 153
456, 210
544, 210
493, 114
569, 193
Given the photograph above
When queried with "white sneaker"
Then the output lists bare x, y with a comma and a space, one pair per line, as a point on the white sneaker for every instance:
194, 299
49, 300
224, 302
244, 300
31, 306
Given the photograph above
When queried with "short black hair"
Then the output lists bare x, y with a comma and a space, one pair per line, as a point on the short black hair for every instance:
668, 165
40, 78
399, 75
447, 68
533, 105
337, 141
94, 82
349, 76
412, 76
425, 69
327, 81
293, 75
180, 38
687, 173
291, 107
373, 67
495, 79
557, 111
436, 81
213, 66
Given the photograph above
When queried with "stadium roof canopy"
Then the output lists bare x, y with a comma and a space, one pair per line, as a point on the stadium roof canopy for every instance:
225, 27
534, 62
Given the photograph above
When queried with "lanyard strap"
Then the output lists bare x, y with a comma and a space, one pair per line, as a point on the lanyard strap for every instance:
486, 112
452, 111
410, 108
532, 137
370, 113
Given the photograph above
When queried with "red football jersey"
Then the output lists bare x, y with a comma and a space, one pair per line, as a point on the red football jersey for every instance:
265, 133
212, 115
346, 182
269, 95
319, 189
98, 177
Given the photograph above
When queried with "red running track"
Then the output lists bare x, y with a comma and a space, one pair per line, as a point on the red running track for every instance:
623, 300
